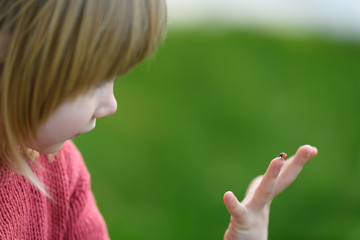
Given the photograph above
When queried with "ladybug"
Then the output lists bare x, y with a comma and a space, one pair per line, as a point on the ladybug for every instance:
283, 155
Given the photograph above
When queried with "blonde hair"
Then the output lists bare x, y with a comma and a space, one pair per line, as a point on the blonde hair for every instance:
53, 50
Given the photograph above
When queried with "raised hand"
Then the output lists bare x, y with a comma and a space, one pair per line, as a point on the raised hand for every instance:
250, 217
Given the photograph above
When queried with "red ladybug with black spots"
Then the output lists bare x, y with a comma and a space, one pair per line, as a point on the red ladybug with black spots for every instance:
283, 155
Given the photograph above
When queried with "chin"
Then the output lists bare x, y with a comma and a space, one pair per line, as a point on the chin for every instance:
51, 148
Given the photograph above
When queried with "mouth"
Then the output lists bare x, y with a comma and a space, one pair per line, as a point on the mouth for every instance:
92, 128
75, 136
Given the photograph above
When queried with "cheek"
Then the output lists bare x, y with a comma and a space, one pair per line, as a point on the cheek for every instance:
61, 127
52, 132
72, 117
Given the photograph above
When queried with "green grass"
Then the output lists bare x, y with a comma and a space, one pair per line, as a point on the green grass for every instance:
207, 113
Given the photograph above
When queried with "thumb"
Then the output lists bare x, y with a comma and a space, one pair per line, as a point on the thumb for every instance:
235, 208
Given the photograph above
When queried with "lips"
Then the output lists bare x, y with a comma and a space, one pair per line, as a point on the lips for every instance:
86, 131
75, 136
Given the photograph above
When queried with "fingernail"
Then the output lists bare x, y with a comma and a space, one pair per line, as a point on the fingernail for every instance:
313, 149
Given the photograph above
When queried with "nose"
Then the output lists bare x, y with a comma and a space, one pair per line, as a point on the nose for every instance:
110, 107
107, 107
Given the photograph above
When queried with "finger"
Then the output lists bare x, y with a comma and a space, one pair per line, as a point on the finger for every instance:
293, 167
267, 184
235, 208
251, 189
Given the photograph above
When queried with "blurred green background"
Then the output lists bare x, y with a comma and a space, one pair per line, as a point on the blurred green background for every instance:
207, 113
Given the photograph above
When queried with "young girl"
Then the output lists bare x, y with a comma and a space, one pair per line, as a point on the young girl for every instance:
58, 61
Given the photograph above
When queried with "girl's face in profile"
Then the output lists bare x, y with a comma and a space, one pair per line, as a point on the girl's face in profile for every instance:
75, 117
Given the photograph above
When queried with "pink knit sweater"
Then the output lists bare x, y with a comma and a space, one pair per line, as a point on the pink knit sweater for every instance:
25, 213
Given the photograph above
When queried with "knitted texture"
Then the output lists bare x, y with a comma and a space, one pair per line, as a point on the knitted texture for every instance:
71, 213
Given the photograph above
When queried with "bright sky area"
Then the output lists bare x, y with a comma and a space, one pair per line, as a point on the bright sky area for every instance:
332, 16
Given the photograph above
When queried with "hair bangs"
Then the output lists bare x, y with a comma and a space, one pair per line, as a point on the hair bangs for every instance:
129, 36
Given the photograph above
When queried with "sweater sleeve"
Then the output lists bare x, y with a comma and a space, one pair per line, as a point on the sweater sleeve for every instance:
84, 218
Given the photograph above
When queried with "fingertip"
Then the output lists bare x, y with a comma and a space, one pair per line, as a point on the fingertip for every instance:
229, 201
314, 151
305, 148
276, 165
235, 208
309, 151
279, 161
305, 153
228, 196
